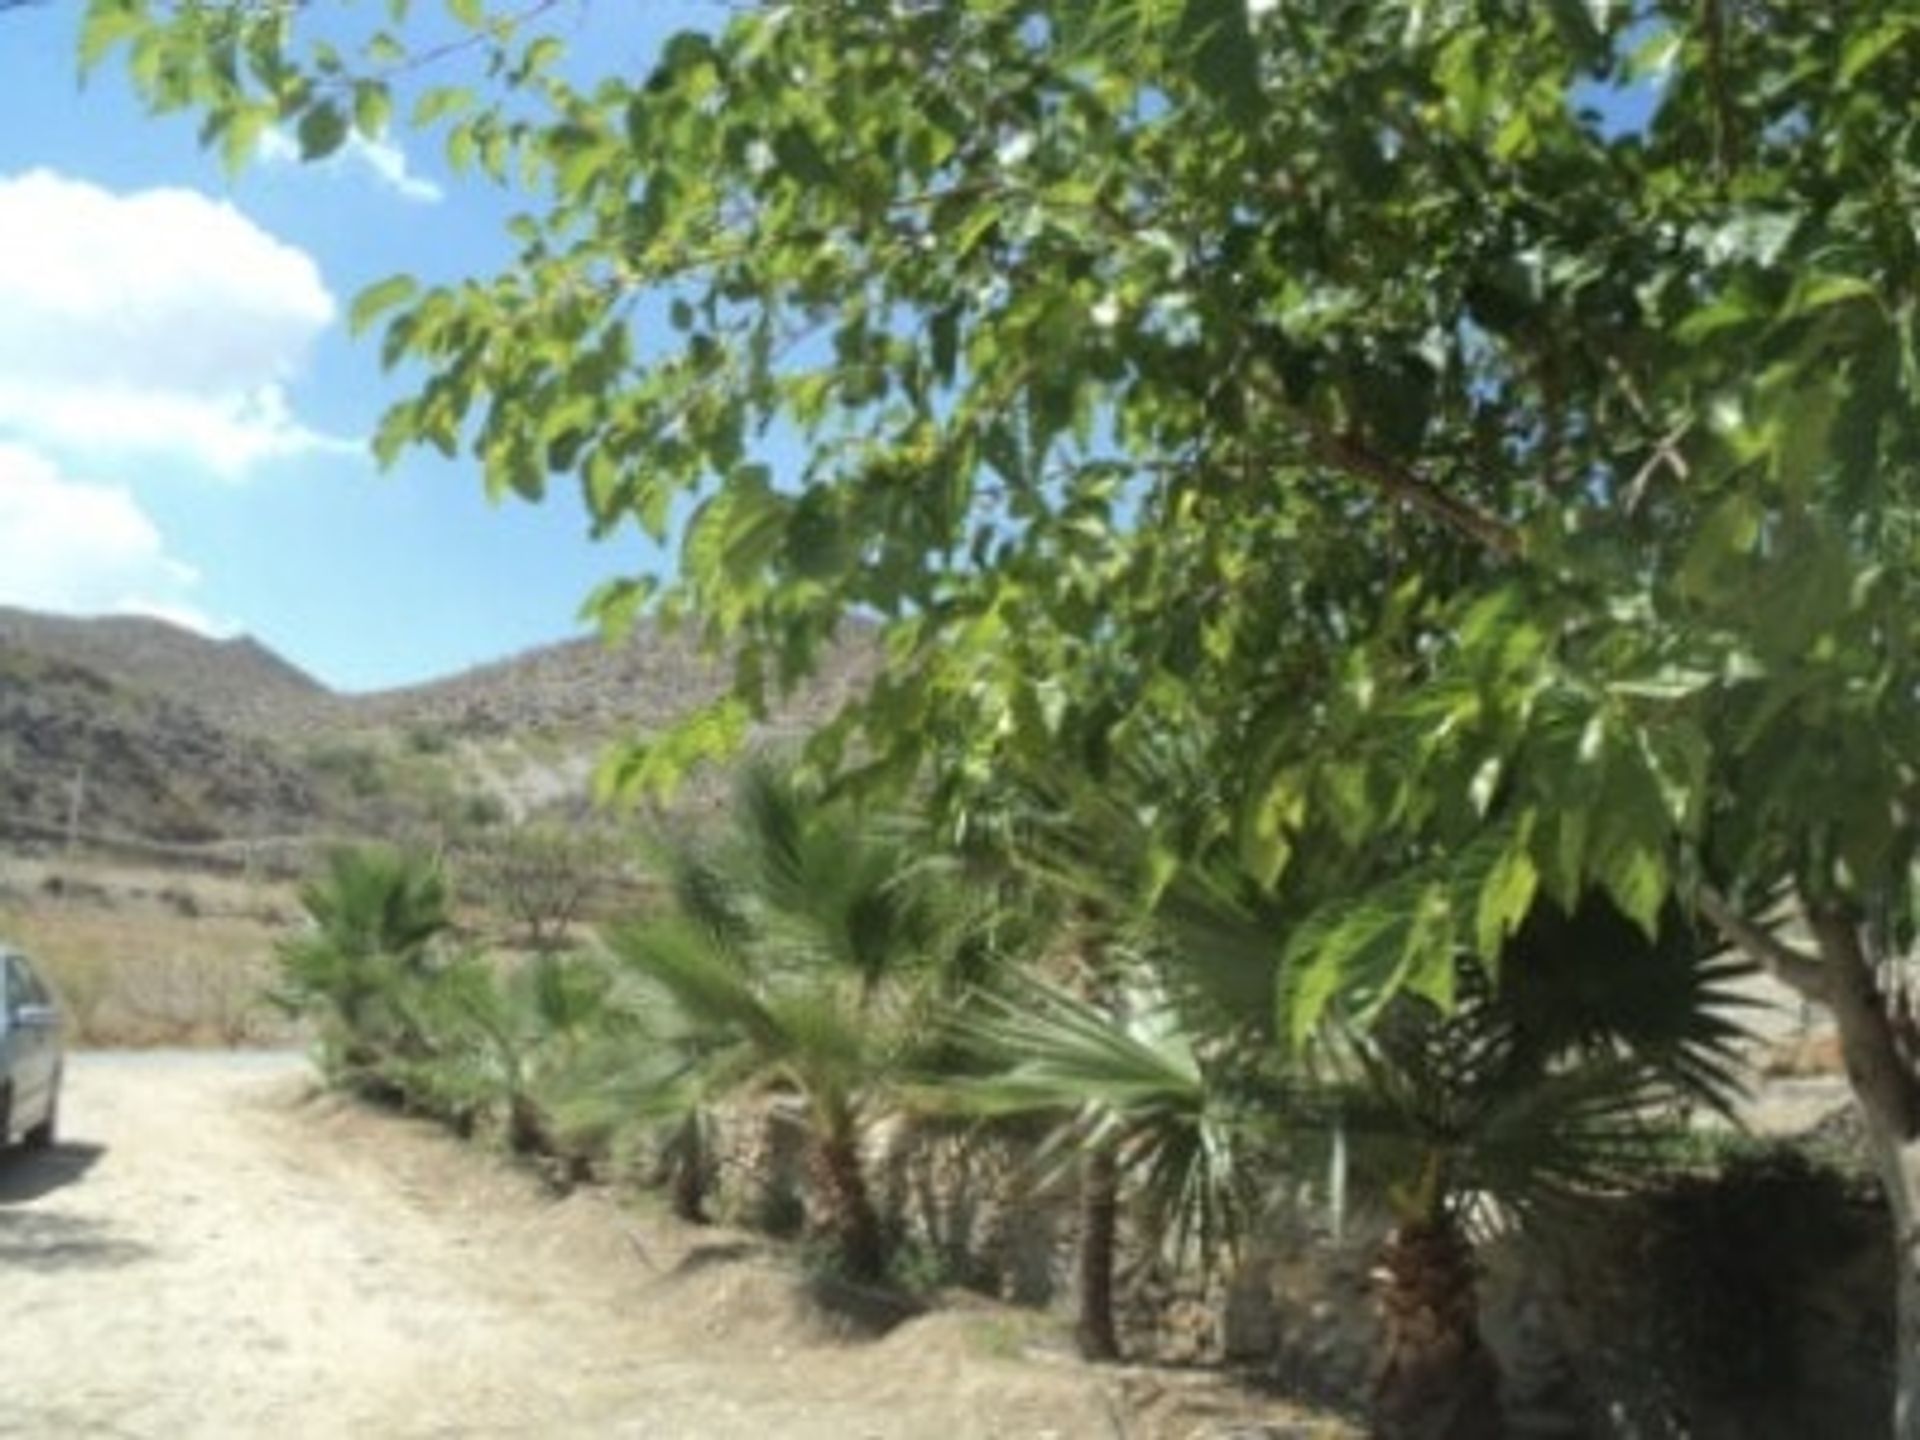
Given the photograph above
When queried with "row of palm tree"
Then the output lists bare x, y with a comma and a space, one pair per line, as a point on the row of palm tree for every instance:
846, 961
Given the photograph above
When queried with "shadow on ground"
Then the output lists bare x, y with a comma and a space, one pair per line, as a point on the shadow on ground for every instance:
29, 1174
49, 1240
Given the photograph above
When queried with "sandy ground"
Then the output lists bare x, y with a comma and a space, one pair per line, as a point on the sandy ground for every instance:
214, 1251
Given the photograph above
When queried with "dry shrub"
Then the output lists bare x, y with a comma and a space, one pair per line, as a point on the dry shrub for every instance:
152, 976
192, 997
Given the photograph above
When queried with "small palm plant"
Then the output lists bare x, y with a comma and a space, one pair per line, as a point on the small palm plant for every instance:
498, 1041
808, 954
1137, 1101
644, 1074
374, 914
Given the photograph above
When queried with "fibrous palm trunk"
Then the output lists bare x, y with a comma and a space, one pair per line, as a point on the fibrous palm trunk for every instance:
1099, 1232
1438, 1380
841, 1182
686, 1154
526, 1127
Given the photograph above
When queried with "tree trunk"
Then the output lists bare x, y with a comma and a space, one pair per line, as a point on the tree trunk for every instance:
1099, 1231
1888, 1092
1438, 1380
851, 1218
1899, 1166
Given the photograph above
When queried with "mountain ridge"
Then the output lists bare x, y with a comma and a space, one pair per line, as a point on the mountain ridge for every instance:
157, 712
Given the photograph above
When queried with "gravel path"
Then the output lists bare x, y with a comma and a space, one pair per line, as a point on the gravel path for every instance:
212, 1251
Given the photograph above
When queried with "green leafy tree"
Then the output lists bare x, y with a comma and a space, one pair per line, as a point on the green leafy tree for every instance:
1496, 421
1514, 1102
648, 1073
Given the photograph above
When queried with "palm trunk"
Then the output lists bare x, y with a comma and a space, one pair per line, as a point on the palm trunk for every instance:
1099, 1231
687, 1155
526, 1128
1888, 1093
851, 1218
1438, 1380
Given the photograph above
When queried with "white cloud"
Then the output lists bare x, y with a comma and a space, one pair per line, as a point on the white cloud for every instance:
156, 322
383, 160
84, 549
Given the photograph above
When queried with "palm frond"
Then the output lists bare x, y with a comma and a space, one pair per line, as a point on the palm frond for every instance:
1593, 983
709, 982
1130, 1084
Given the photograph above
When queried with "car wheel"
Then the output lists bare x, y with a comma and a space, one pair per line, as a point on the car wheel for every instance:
41, 1136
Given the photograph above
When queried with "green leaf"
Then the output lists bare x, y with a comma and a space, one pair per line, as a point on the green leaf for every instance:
543, 54
1821, 292
1867, 48
439, 102
656, 767
107, 25
322, 130
372, 108
240, 140
1719, 551
1223, 54
1636, 878
377, 299
1504, 902
1429, 967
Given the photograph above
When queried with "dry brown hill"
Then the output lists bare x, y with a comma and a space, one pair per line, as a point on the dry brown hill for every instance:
236, 682
122, 760
587, 688
186, 736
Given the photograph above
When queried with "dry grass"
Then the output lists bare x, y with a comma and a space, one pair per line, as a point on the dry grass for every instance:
149, 957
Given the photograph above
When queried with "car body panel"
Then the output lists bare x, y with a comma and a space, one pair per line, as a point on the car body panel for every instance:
30, 1047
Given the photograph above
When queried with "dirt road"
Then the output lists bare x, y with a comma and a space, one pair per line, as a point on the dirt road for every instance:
213, 1251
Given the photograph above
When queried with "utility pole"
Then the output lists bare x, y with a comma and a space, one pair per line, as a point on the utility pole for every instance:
76, 797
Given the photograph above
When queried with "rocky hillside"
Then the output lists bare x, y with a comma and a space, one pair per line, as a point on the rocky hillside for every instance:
133, 761
183, 737
236, 682
587, 688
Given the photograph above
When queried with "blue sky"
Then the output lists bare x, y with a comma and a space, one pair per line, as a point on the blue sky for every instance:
183, 416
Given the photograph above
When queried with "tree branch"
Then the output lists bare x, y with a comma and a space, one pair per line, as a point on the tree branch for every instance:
1797, 970
1726, 135
1355, 457
1350, 454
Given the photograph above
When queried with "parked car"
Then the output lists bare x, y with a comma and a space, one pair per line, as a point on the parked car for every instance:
30, 1055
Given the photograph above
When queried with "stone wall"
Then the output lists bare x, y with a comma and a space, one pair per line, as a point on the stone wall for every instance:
1748, 1307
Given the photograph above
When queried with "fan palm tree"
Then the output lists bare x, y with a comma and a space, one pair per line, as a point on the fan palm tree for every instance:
807, 954
374, 914
1552, 1086
644, 1074
1135, 1100
496, 1042
1539, 1088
